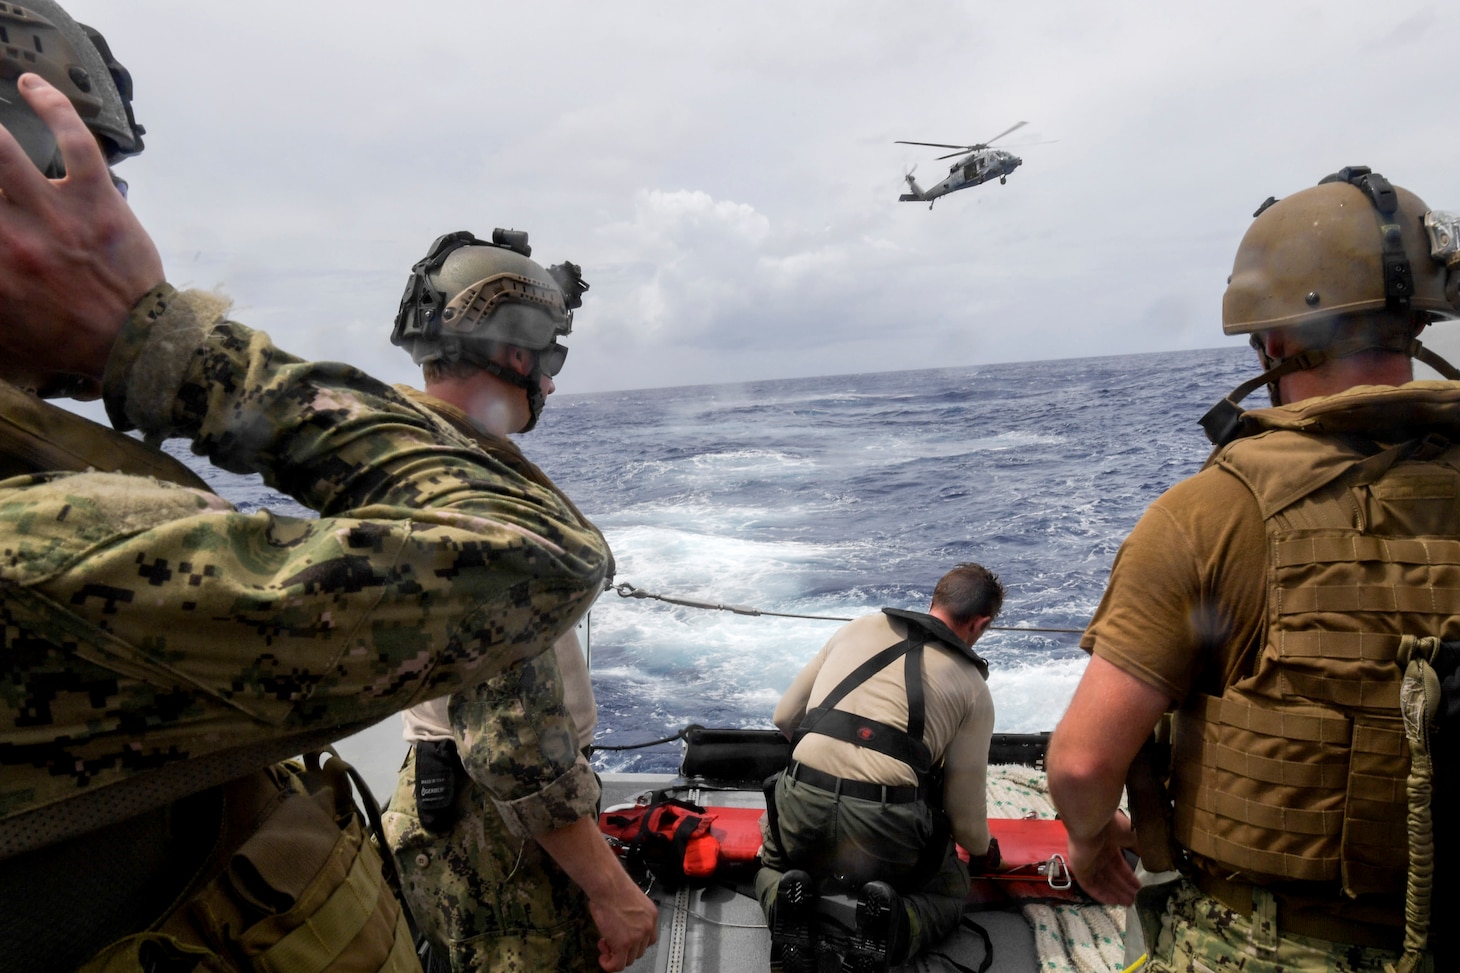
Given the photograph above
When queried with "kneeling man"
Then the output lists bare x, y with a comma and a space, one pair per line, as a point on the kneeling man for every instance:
891, 723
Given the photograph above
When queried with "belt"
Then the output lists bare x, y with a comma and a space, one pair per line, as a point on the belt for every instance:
1300, 921
861, 789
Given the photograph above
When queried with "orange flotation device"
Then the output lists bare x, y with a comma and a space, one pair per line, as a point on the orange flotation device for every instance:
680, 842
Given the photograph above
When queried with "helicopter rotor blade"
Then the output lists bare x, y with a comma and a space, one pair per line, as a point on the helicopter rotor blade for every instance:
936, 145
1002, 134
963, 151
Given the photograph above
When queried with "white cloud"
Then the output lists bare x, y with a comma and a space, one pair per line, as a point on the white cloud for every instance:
727, 176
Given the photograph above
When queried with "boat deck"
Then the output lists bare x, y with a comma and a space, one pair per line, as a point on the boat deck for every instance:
720, 929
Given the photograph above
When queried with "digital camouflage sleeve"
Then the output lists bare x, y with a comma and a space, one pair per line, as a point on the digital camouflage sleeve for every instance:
513, 731
157, 641
516, 739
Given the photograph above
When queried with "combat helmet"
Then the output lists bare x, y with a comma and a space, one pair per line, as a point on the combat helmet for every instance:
40, 37
467, 296
1354, 243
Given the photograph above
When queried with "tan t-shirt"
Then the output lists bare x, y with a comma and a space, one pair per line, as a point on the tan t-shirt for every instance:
1185, 604
959, 715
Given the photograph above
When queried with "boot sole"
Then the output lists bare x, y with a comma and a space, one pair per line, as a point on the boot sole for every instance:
794, 927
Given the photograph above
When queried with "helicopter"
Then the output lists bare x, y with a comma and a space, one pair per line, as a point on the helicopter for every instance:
976, 164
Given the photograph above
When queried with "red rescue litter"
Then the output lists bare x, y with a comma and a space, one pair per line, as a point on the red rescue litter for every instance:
684, 843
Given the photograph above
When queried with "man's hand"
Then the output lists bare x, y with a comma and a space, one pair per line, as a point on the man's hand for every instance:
628, 925
73, 257
1110, 716
1099, 863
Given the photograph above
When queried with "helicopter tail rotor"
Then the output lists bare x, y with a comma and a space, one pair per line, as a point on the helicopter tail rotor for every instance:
917, 191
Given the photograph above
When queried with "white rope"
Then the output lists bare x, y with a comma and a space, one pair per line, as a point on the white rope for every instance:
1016, 791
1075, 938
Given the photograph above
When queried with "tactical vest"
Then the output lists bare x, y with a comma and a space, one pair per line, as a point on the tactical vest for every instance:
1297, 771
293, 882
900, 743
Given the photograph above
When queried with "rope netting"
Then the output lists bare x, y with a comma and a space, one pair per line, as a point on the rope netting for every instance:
1075, 938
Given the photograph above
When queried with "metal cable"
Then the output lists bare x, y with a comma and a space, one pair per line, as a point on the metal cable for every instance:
626, 590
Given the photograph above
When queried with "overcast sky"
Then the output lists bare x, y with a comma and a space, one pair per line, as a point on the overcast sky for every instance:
726, 174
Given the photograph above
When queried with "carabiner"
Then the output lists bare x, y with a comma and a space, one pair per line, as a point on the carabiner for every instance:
1057, 872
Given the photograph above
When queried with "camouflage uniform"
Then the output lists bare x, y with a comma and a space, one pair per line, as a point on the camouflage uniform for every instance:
484, 890
159, 642
1198, 934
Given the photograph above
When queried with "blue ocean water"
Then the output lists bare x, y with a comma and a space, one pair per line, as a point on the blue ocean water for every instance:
836, 496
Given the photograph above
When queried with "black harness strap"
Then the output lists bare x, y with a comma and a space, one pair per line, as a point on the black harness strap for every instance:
906, 745
864, 672
917, 712
873, 734
968, 922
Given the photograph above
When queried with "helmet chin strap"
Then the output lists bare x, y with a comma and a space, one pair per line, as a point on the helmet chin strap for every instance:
1223, 422
531, 383
1276, 368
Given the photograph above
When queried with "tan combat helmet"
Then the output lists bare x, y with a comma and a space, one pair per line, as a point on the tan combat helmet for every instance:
1353, 243
466, 296
38, 36
1333, 250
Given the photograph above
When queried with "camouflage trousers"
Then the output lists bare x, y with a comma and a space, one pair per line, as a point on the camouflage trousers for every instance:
490, 901
1199, 934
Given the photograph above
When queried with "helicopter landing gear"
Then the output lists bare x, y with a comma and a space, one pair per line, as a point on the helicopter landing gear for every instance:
1003, 180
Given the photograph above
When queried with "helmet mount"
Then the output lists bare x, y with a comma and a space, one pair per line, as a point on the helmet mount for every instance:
1398, 277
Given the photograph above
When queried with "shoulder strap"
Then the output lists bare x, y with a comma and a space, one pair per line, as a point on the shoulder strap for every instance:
38, 437
934, 629
864, 672
916, 697
904, 745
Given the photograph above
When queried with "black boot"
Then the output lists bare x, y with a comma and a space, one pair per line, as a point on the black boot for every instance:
881, 939
793, 923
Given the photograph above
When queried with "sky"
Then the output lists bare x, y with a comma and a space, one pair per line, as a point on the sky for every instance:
727, 174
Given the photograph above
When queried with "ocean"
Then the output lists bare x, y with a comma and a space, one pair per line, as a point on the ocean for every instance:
836, 496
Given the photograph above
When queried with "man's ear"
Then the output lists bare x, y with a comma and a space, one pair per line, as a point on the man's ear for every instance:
978, 626
1275, 343
518, 359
